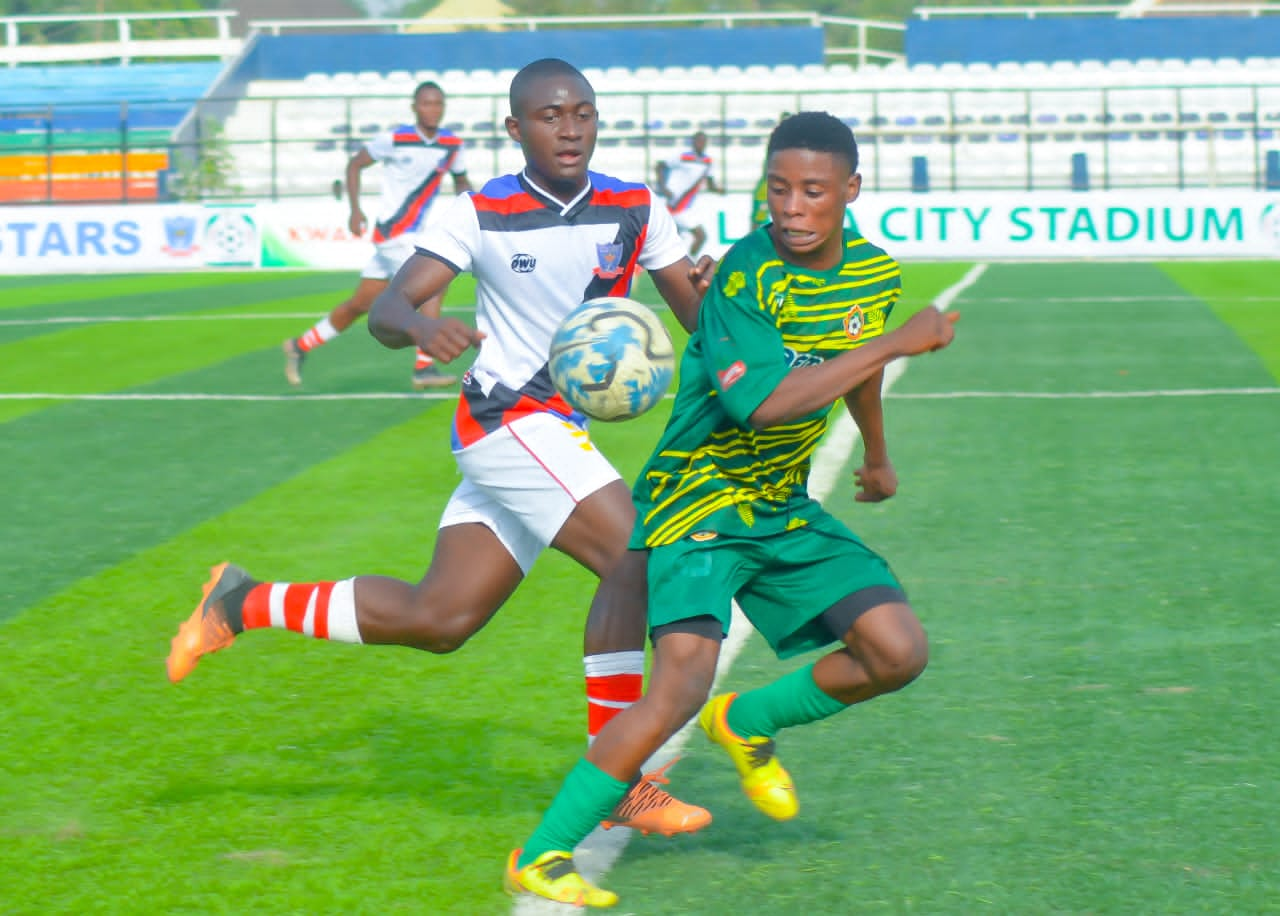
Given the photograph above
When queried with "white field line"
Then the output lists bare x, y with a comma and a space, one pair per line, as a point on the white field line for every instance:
597, 853
230, 316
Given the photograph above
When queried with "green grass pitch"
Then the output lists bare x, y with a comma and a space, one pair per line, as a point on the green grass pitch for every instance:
1086, 524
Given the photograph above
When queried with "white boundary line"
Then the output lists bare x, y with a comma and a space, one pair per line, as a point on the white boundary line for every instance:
601, 848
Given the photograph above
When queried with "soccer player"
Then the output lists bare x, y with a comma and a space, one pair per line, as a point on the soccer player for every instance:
680, 179
793, 322
415, 160
538, 243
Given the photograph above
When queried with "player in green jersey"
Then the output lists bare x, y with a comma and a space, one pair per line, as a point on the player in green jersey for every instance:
794, 321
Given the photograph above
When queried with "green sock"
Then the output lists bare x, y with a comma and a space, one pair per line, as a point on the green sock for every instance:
793, 699
586, 797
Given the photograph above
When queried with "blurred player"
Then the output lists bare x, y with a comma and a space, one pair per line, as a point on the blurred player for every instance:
680, 180
415, 159
538, 244
794, 322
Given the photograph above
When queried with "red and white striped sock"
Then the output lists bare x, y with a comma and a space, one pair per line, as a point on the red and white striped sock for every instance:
423, 360
615, 680
325, 610
322, 332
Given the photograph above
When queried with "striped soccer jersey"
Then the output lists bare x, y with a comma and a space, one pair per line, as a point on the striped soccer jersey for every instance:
711, 471
686, 174
413, 169
535, 259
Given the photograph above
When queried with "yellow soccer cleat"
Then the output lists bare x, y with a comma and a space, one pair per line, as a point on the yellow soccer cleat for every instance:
764, 780
206, 630
649, 809
553, 875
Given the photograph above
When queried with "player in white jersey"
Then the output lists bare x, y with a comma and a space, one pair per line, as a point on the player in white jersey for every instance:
539, 244
680, 179
415, 159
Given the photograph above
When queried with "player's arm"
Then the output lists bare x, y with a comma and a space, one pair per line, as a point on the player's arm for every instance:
876, 478
807, 389
682, 285
396, 322
359, 161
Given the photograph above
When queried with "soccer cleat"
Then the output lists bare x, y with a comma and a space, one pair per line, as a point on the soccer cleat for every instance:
431, 377
206, 630
764, 780
553, 875
293, 358
650, 809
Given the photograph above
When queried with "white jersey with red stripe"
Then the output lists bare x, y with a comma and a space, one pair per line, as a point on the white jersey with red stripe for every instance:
414, 166
686, 175
535, 259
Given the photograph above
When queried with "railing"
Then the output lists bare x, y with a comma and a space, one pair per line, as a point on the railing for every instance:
1265, 7
123, 47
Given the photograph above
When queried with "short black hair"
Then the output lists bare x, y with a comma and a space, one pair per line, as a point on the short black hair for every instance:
429, 84
546, 66
818, 131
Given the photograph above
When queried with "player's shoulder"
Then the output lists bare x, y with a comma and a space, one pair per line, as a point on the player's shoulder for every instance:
446, 137
860, 252
403, 134
611, 191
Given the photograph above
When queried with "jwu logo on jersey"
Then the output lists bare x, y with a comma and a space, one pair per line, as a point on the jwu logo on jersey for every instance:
523, 263
609, 260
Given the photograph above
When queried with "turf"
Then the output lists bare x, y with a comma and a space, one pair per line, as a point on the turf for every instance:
1094, 733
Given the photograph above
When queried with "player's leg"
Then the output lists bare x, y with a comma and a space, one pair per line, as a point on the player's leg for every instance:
699, 238
684, 666
372, 282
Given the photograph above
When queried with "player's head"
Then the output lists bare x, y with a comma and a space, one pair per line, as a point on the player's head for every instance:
811, 177
553, 118
428, 106
699, 142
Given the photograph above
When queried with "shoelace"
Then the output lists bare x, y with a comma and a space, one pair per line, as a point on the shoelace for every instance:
645, 794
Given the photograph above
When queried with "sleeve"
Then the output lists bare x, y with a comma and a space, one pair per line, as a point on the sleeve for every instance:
380, 147
455, 237
741, 345
662, 243
459, 166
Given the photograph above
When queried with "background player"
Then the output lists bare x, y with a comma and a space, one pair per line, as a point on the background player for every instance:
794, 321
415, 158
538, 243
680, 180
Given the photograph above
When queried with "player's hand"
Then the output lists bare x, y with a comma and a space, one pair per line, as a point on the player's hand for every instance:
446, 339
927, 330
702, 272
876, 482
356, 223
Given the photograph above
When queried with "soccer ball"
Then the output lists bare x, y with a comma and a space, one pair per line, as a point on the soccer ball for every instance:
612, 358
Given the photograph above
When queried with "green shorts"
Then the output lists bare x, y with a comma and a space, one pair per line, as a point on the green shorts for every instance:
783, 582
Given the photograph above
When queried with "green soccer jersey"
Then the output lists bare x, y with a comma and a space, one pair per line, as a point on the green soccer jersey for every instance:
711, 471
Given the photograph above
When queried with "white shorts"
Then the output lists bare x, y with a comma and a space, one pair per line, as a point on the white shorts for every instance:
524, 480
688, 219
388, 256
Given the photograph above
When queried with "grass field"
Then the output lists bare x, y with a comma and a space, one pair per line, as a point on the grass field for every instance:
1087, 523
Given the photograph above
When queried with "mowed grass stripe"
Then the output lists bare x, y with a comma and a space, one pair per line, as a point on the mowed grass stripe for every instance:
23, 292
1238, 292
1092, 733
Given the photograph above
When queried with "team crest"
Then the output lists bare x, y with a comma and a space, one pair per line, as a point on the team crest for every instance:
180, 235
609, 256
854, 323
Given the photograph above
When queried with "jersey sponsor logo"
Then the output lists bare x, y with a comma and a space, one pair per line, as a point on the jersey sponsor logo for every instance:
701, 536
728, 377
854, 323
523, 263
796, 358
609, 258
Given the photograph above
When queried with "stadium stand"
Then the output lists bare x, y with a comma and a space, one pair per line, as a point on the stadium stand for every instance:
1070, 108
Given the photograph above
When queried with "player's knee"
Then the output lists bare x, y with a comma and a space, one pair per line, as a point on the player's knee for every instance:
898, 663
441, 629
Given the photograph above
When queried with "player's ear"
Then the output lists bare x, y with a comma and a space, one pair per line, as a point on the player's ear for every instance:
513, 127
855, 186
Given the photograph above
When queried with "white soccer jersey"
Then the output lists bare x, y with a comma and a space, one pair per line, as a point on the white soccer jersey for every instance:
413, 169
536, 259
686, 174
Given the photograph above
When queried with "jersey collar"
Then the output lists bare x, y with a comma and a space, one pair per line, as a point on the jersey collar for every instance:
569, 210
